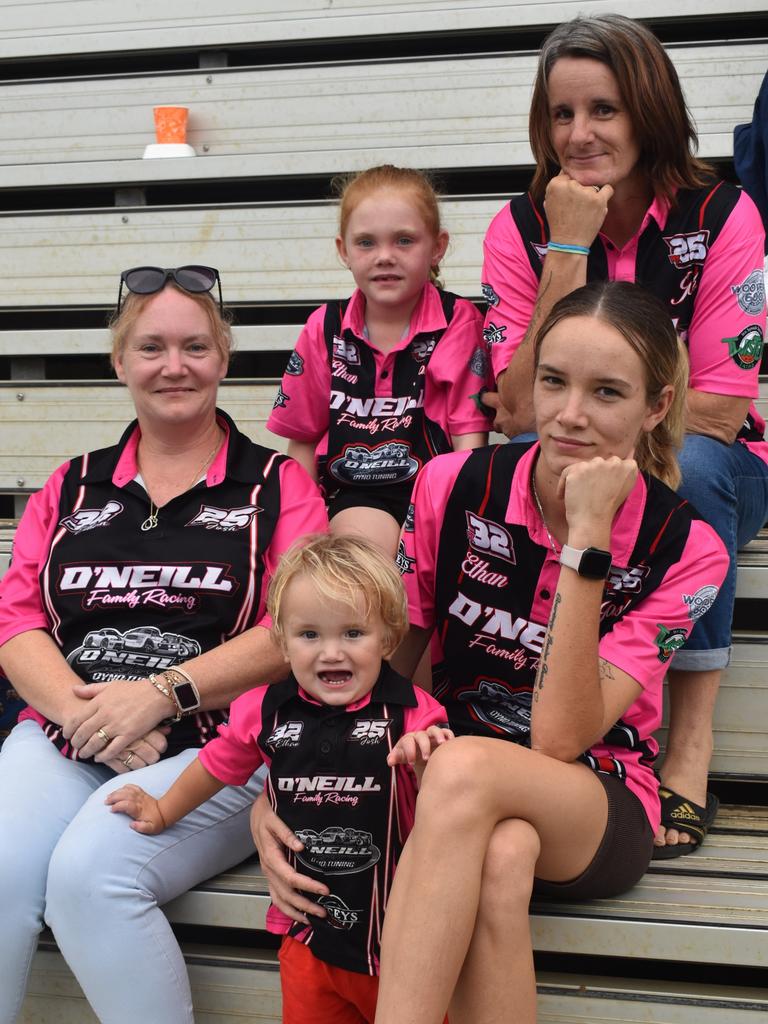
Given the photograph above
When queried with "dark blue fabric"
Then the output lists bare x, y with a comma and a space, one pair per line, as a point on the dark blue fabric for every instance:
750, 144
10, 706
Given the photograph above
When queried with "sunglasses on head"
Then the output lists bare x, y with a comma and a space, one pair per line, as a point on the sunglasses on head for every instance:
148, 280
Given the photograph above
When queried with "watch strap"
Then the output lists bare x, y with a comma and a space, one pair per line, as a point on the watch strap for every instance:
571, 557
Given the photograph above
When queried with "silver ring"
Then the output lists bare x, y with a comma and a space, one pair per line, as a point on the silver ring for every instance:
597, 187
107, 739
127, 761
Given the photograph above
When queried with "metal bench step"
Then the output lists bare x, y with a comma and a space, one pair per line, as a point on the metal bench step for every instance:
711, 907
243, 985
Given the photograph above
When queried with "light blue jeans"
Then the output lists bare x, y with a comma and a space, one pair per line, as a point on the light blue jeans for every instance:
728, 486
67, 859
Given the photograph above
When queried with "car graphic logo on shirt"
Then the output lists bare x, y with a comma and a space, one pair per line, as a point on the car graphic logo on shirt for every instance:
700, 602
387, 463
295, 365
338, 913
495, 704
403, 562
489, 294
687, 248
337, 850
669, 640
348, 351
287, 734
478, 362
145, 647
281, 400
225, 519
90, 518
750, 294
493, 333
746, 349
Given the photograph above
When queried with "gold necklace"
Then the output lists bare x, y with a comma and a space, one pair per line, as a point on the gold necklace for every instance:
541, 513
151, 521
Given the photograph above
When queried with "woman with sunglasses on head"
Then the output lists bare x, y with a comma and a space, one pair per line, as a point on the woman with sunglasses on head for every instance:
129, 620
619, 195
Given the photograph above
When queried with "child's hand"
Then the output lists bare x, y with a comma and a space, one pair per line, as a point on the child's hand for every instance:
143, 808
415, 747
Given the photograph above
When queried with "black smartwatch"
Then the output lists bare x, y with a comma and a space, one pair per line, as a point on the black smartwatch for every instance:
592, 563
183, 690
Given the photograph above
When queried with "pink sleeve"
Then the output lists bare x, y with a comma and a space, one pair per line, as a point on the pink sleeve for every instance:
303, 412
302, 511
430, 496
510, 287
21, 607
234, 755
642, 643
427, 712
459, 370
722, 315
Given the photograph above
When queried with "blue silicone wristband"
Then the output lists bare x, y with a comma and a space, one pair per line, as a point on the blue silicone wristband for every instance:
582, 250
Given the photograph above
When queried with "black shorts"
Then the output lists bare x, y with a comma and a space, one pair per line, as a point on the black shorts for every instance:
393, 500
622, 857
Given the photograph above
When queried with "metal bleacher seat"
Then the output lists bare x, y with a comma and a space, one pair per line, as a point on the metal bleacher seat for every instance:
461, 112
293, 91
55, 28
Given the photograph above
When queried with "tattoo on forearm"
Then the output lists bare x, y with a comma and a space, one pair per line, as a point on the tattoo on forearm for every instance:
543, 667
606, 669
538, 314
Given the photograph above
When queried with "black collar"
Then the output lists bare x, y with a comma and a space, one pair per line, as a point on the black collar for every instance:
390, 688
244, 458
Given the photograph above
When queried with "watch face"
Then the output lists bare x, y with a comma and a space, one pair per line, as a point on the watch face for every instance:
185, 695
595, 564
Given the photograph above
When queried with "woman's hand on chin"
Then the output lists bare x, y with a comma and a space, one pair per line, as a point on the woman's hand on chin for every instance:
575, 212
123, 710
593, 492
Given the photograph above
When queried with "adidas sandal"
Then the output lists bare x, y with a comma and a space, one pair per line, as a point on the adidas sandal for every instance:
684, 816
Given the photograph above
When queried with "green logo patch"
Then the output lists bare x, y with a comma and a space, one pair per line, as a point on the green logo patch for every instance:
669, 640
746, 349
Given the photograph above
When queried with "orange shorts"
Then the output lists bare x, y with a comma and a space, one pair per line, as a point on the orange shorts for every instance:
315, 992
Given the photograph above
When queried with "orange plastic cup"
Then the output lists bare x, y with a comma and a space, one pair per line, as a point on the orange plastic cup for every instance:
171, 124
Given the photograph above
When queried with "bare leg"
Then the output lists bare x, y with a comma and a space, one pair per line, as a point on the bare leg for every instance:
378, 526
692, 697
470, 785
501, 942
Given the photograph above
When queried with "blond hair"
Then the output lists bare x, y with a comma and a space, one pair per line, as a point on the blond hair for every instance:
343, 568
121, 324
353, 188
643, 321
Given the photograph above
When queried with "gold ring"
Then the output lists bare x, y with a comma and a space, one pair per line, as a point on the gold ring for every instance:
107, 739
127, 761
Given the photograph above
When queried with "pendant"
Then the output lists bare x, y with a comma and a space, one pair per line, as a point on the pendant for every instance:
150, 522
